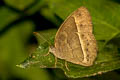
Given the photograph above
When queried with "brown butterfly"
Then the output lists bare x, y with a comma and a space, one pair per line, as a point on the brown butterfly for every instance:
74, 40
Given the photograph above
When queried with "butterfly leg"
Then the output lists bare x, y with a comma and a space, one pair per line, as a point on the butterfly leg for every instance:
47, 54
51, 49
55, 58
55, 62
66, 66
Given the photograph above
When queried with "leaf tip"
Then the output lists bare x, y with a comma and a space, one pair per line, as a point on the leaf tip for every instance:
35, 33
20, 66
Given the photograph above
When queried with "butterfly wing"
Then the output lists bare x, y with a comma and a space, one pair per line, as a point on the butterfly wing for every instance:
74, 41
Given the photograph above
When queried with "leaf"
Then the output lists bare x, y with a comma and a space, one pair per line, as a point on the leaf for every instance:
6, 17
106, 61
13, 50
47, 13
19, 4
45, 38
106, 28
36, 7
101, 19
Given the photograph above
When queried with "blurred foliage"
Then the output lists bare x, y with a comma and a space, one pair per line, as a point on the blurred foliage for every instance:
7, 16
20, 18
19, 4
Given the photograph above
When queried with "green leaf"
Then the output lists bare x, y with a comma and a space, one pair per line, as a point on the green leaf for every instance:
13, 49
19, 4
36, 7
46, 36
6, 17
106, 61
106, 28
105, 18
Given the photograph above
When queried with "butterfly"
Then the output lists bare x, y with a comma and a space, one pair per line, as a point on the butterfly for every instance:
74, 41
